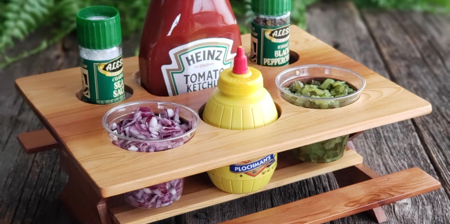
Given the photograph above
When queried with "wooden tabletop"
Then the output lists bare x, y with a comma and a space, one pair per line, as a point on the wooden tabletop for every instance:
411, 49
112, 171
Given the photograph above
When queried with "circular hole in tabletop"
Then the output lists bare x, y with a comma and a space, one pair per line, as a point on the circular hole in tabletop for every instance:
128, 93
137, 77
293, 57
200, 111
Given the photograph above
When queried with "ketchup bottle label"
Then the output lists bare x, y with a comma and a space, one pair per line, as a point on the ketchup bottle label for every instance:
197, 65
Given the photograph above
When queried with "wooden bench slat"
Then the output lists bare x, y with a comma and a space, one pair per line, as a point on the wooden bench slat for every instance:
37, 141
347, 201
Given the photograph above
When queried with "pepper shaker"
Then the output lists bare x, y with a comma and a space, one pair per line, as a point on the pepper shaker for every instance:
270, 32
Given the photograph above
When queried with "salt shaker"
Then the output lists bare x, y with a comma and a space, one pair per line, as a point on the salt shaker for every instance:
100, 37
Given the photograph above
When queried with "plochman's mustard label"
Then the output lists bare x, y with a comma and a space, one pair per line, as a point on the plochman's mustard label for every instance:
103, 81
253, 167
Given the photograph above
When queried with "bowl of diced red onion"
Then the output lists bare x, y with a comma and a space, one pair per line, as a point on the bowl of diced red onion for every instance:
151, 126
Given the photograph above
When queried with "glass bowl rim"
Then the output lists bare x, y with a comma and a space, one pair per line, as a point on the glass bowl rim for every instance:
281, 88
157, 102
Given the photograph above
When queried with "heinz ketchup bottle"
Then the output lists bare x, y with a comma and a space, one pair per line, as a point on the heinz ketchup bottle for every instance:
186, 44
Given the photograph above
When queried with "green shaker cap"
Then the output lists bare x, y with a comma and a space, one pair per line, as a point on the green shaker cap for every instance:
98, 27
271, 7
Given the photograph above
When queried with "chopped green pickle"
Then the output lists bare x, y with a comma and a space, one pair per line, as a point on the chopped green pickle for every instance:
316, 83
326, 84
322, 152
329, 88
332, 149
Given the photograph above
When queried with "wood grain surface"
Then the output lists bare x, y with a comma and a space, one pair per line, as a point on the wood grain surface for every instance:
356, 174
348, 200
394, 147
422, 66
30, 184
37, 141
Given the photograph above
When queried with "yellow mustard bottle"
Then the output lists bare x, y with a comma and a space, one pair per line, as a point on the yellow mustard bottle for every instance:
241, 102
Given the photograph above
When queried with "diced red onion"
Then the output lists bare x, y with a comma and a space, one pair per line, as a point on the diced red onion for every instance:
156, 196
144, 125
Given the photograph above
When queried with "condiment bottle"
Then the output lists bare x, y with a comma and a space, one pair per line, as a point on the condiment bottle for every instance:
186, 44
270, 32
100, 37
241, 102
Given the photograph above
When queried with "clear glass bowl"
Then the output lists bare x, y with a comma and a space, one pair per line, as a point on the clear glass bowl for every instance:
308, 72
332, 149
166, 193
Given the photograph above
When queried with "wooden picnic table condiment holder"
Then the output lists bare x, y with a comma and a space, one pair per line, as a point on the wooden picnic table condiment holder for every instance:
99, 172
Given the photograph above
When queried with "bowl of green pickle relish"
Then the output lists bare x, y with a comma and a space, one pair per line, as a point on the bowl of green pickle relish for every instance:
320, 86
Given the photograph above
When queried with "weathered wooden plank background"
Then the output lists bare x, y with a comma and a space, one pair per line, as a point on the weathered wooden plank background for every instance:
412, 49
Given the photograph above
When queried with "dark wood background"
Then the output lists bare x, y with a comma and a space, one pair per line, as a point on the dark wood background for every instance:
412, 49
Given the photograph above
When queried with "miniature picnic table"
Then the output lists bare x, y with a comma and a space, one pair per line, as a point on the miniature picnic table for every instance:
289, 167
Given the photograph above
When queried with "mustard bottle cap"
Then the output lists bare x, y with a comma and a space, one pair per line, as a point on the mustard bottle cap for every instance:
240, 80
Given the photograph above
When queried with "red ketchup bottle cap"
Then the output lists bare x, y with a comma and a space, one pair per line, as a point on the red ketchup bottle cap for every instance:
240, 62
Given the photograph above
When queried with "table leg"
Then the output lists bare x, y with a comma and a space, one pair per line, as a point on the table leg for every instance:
80, 200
